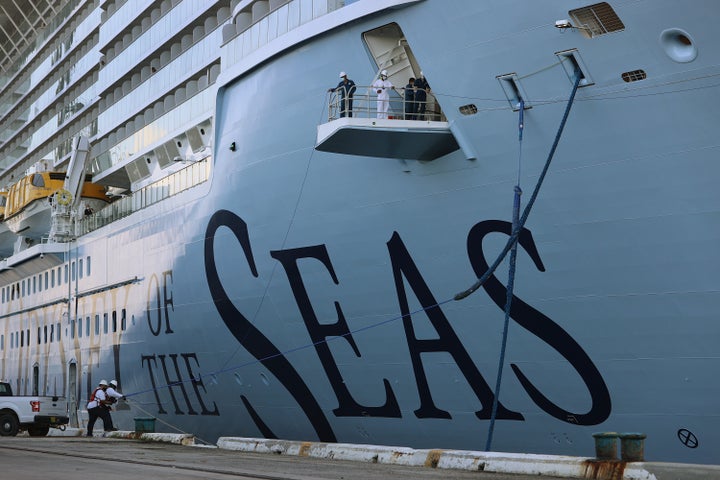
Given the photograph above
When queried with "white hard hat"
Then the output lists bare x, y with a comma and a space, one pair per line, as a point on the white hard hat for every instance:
113, 383
343, 74
384, 72
103, 383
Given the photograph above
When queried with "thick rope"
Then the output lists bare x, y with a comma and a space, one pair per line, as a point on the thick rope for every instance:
511, 283
513, 238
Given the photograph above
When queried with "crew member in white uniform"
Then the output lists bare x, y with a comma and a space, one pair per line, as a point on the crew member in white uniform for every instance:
382, 87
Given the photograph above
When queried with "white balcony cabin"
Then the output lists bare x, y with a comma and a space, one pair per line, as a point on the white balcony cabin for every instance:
414, 127
411, 129
410, 136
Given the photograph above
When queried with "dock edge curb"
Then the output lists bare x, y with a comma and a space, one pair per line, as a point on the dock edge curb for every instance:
532, 464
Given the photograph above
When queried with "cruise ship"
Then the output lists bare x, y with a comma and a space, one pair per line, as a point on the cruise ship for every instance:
513, 253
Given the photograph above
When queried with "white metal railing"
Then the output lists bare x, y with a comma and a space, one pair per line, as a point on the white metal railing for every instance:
364, 104
190, 176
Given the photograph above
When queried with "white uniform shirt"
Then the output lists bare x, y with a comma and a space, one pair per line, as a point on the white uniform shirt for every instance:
383, 86
111, 392
99, 396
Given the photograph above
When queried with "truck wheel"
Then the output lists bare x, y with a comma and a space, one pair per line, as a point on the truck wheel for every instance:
9, 425
38, 430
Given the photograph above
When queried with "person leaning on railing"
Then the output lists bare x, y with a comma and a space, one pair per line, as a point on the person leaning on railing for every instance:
410, 105
346, 88
422, 89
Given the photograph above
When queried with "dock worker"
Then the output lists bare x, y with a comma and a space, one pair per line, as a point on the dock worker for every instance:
382, 87
346, 88
96, 409
112, 393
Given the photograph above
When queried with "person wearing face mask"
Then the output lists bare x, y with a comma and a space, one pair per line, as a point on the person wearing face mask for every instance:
382, 87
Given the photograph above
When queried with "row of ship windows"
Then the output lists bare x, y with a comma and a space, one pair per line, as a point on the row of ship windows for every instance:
55, 276
110, 323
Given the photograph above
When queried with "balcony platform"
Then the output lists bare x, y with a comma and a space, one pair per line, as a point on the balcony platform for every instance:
387, 138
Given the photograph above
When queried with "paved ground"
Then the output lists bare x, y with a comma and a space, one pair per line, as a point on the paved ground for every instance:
70, 458
122, 458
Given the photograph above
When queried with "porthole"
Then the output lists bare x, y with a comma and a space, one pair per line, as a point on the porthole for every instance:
678, 45
469, 109
634, 76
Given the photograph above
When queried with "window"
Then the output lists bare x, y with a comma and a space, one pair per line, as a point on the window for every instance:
72, 328
87, 326
22, 338
39, 335
45, 337
114, 321
52, 333
80, 269
47, 285
97, 324
58, 331
73, 268
469, 109
66, 274
52, 278
123, 320
22, 287
2, 342
38, 180
88, 266
34, 290
80, 325
105, 323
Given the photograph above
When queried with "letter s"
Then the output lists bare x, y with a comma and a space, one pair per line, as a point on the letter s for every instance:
542, 327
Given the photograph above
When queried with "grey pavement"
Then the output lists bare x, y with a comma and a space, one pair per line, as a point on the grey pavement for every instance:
70, 458
127, 455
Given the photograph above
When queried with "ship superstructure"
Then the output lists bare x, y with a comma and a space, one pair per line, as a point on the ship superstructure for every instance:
271, 260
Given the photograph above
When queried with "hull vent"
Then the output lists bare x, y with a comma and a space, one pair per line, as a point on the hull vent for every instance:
634, 76
595, 20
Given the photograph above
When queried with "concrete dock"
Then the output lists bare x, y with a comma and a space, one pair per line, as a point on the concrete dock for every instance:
124, 455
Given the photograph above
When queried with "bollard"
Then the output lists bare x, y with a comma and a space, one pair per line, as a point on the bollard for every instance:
144, 425
606, 445
632, 447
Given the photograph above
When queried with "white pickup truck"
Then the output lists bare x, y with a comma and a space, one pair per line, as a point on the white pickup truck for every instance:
34, 414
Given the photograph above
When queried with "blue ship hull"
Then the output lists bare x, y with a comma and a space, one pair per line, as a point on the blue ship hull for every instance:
304, 294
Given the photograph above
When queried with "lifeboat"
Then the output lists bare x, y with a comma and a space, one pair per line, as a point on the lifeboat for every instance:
7, 237
29, 202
